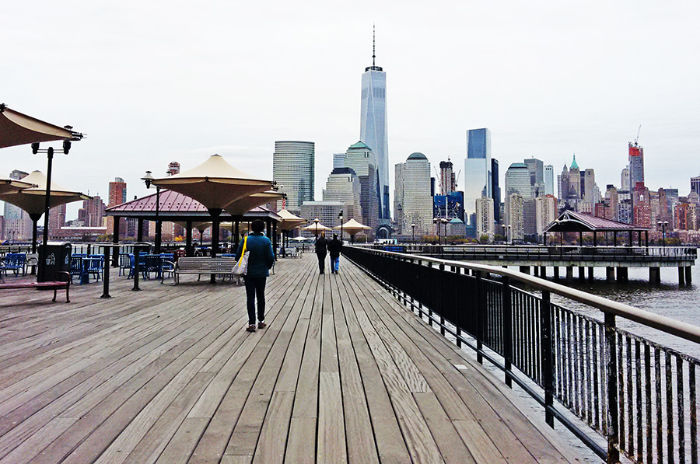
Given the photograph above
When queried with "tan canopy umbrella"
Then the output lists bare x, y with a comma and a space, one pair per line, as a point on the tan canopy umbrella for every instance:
316, 227
352, 227
12, 185
215, 184
245, 204
19, 129
33, 199
289, 220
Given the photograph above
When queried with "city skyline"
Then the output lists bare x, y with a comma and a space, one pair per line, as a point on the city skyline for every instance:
575, 97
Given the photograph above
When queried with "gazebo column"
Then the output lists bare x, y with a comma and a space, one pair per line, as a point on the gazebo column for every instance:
237, 234
595, 239
646, 238
268, 229
614, 238
580, 238
115, 240
188, 238
629, 241
639, 238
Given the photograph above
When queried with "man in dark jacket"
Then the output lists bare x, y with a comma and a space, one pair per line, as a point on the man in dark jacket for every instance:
260, 261
321, 250
334, 247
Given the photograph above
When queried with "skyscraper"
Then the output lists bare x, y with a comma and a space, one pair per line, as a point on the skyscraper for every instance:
636, 164
514, 217
517, 182
343, 185
360, 158
695, 184
447, 177
293, 170
117, 196
545, 212
338, 160
477, 174
18, 224
373, 127
495, 191
413, 201
484, 218
549, 179
536, 169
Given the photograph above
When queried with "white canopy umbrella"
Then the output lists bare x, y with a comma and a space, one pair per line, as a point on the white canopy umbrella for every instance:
316, 227
19, 129
215, 184
12, 185
33, 199
245, 204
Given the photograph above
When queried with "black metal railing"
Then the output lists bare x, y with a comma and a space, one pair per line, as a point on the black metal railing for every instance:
639, 395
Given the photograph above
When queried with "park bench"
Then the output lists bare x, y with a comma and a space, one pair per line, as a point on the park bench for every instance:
54, 285
204, 265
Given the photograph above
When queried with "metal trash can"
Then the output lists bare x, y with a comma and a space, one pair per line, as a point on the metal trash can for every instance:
55, 258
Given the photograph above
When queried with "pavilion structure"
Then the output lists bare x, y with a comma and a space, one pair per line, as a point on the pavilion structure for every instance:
177, 207
572, 221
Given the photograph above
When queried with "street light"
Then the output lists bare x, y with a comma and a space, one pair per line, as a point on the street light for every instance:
413, 233
663, 226
340, 216
148, 179
437, 222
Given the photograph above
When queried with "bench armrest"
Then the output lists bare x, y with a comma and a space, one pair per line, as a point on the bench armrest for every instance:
63, 276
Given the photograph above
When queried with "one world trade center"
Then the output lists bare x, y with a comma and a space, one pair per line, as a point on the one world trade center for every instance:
373, 128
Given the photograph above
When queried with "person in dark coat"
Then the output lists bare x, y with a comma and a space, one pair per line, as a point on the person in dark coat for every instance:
260, 261
334, 247
321, 250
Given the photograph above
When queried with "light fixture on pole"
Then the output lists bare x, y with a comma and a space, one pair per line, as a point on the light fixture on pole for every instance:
413, 233
148, 180
663, 226
340, 216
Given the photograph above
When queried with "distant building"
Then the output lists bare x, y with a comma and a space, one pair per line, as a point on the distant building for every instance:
546, 212
293, 164
447, 177
343, 185
413, 202
575, 184
373, 130
549, 179
117, 196
57, 218
173, 168
612, 203
514, 217
449, 206
93, 211
563, 184
327, 213
536, 169
495, 191
17, 223
338, 160
484, 218
625, 178
517, 181
641, 205
360, 158
477, 174
695, 184
589, 188
636, 164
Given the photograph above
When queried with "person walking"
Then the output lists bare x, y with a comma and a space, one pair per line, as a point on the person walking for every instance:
334, 247
321, 250
260, 260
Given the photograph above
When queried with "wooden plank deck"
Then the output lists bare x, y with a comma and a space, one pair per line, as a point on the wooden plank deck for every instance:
343, 373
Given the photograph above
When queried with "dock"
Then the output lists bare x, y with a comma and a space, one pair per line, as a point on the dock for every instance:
343, 373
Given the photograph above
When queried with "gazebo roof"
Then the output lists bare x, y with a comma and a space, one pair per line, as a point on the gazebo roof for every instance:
177, 206
572, 221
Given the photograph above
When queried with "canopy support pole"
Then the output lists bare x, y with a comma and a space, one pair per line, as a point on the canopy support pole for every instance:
47, 208
139, 230
215, 213
274, 238
595, 239
159, 224
237, 234
646, 238
188, 238
115, 240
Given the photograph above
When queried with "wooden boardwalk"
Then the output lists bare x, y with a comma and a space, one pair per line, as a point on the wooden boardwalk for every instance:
343, 373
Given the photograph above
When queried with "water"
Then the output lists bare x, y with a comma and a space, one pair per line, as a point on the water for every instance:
667, 299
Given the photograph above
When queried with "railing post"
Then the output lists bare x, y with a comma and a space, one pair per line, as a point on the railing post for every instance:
442, 309
547, 356
479, 317
611, 374
507, 330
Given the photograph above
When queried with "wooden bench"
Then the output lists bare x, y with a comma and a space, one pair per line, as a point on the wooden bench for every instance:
53, 284
204, 265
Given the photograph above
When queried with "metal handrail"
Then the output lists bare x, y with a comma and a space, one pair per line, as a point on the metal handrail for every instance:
666, 324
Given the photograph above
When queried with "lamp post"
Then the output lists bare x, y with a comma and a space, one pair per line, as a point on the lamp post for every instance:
413, 233
509, 235
148, 179
437, 221
663, 226
444, 236
340, 216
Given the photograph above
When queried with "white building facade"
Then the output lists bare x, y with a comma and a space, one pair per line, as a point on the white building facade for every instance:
413, 202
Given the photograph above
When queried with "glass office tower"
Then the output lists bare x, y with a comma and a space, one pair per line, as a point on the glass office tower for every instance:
373, 128
477, 174
293, 170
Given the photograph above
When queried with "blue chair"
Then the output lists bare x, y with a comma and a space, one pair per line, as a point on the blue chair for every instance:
95, 266
76, 267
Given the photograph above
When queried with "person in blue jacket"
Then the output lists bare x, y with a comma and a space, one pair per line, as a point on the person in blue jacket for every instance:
260, 261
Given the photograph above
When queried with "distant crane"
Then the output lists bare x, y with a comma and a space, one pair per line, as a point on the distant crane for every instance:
637, 138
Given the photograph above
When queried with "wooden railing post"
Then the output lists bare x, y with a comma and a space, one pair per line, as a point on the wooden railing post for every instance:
611, 375
507, 330
547, 356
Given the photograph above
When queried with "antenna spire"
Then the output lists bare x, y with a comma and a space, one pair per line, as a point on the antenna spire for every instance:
373, 47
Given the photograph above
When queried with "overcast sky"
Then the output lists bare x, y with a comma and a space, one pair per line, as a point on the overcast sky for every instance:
151, 82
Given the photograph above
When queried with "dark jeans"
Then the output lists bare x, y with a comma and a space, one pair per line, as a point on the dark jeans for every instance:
321, 262
255, 286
